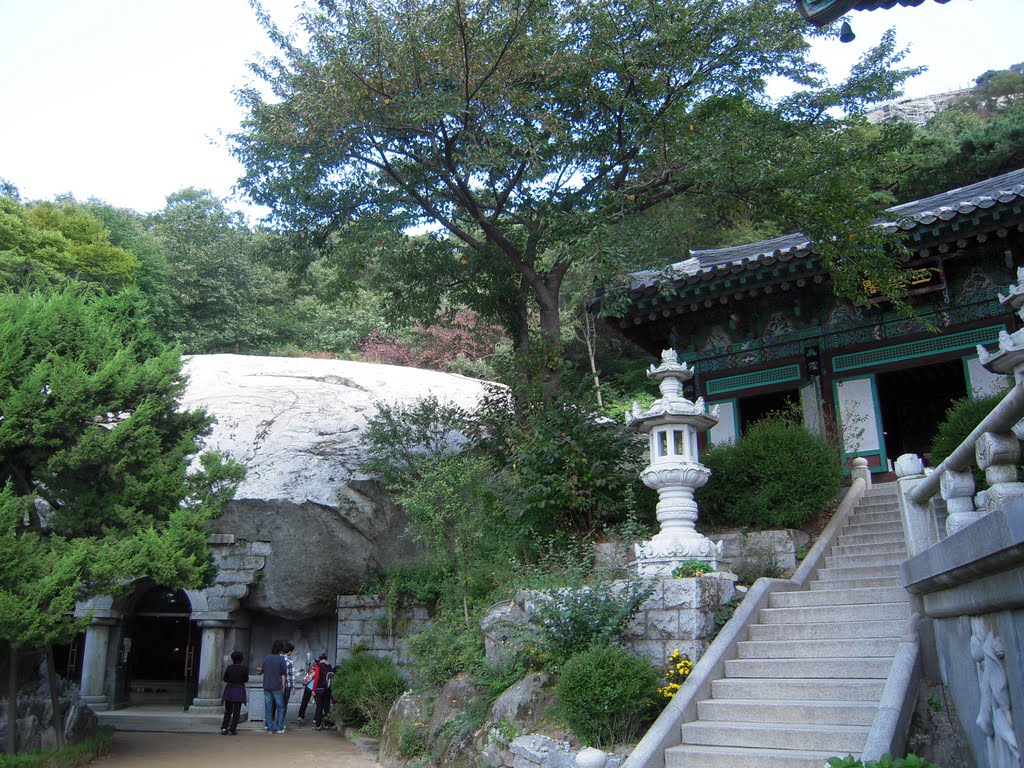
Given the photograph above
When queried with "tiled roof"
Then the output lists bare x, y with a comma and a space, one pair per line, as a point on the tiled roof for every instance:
704, 264
871, 5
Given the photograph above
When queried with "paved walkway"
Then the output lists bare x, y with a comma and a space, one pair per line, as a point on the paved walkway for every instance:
249, 749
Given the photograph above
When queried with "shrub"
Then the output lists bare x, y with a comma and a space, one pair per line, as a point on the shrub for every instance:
443, 650
607, 695
753, 567
365, 688
572, 620
960, 420
779, 475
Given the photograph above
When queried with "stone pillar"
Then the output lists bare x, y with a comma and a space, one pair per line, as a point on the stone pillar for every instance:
211, 666
919, 525
860, 470
94, 663
957, 489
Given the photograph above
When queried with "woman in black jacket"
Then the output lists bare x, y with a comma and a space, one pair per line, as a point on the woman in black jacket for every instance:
235, 676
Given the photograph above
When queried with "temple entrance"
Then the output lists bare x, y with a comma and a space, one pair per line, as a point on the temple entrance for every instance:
754, 408
913, 401
159, 648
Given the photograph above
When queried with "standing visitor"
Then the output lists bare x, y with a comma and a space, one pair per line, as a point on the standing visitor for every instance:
236, 675
322, 678
307, 693
289, 675
273, 689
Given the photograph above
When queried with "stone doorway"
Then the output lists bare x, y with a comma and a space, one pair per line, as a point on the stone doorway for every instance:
156, 661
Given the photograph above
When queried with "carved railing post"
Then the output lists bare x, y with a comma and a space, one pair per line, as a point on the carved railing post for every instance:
957, 488
919, 525
998, 454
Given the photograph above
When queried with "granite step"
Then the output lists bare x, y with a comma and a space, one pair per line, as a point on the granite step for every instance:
839, 739
800, 711
820, 630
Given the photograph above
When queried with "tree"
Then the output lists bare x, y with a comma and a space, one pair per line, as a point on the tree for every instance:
94, 453
50, 243
512, 129
224, 301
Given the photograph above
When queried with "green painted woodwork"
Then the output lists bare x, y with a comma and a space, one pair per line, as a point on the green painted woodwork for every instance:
753, 379
913, 349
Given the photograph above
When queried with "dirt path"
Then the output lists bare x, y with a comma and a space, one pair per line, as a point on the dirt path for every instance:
249, 749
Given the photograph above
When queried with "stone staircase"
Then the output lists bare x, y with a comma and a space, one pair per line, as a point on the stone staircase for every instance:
807, 681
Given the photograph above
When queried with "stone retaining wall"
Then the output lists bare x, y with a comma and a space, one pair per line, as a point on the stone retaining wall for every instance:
363, 625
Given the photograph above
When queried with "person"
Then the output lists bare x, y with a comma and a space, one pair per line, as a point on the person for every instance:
289, 682
307, 693
322, 690
236, 675
273, 689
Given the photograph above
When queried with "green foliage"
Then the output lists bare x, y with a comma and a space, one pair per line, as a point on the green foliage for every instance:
50, 244
959, 421
566, 468
758, 565
887, 761
73, 756
725, 612
365, 688
571, 620
443, 650
691, 568
607, 695
95, 453
402, 440
453, 511
437, 114
412, 742
754, 483
223, 299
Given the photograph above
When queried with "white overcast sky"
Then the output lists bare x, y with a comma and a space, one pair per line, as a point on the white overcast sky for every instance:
130, 100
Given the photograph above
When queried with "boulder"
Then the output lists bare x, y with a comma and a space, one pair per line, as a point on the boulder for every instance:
296, 425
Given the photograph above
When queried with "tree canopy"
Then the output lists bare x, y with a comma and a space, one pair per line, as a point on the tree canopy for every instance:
93, 457
516, 131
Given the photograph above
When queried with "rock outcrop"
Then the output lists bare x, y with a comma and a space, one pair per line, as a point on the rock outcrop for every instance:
296, 424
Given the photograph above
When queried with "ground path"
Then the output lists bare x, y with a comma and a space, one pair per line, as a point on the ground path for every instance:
249, 749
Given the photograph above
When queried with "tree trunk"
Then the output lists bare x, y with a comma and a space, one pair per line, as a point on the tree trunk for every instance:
51, 681
551, 339
12, 698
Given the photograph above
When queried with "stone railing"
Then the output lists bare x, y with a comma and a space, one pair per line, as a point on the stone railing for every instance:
966, 567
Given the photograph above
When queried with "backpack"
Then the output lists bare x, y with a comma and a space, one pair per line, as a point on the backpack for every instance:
330, 680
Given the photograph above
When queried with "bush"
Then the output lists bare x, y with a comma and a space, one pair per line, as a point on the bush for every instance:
960, 420
365, 688
443, 650
779, 475
607, 695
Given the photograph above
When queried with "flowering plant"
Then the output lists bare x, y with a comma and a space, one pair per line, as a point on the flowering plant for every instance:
690, 568
679, 668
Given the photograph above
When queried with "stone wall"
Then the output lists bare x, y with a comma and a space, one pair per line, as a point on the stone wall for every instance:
971, 586
680, 615
363, 624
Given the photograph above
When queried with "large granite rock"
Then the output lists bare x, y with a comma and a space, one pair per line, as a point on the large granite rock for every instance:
296, 424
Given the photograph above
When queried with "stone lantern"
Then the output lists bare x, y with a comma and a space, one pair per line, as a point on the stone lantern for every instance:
675, 472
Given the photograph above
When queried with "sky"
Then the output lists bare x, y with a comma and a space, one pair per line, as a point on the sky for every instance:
129, 101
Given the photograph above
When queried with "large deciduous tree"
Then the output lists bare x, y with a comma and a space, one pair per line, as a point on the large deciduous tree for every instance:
518, 128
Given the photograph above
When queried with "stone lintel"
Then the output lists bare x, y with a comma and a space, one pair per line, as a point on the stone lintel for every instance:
220, 539
212, 618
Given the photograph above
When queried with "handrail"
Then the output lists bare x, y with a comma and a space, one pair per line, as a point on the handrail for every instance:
666, 731
1001, 419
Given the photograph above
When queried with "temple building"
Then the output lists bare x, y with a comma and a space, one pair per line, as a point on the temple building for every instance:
760, 324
